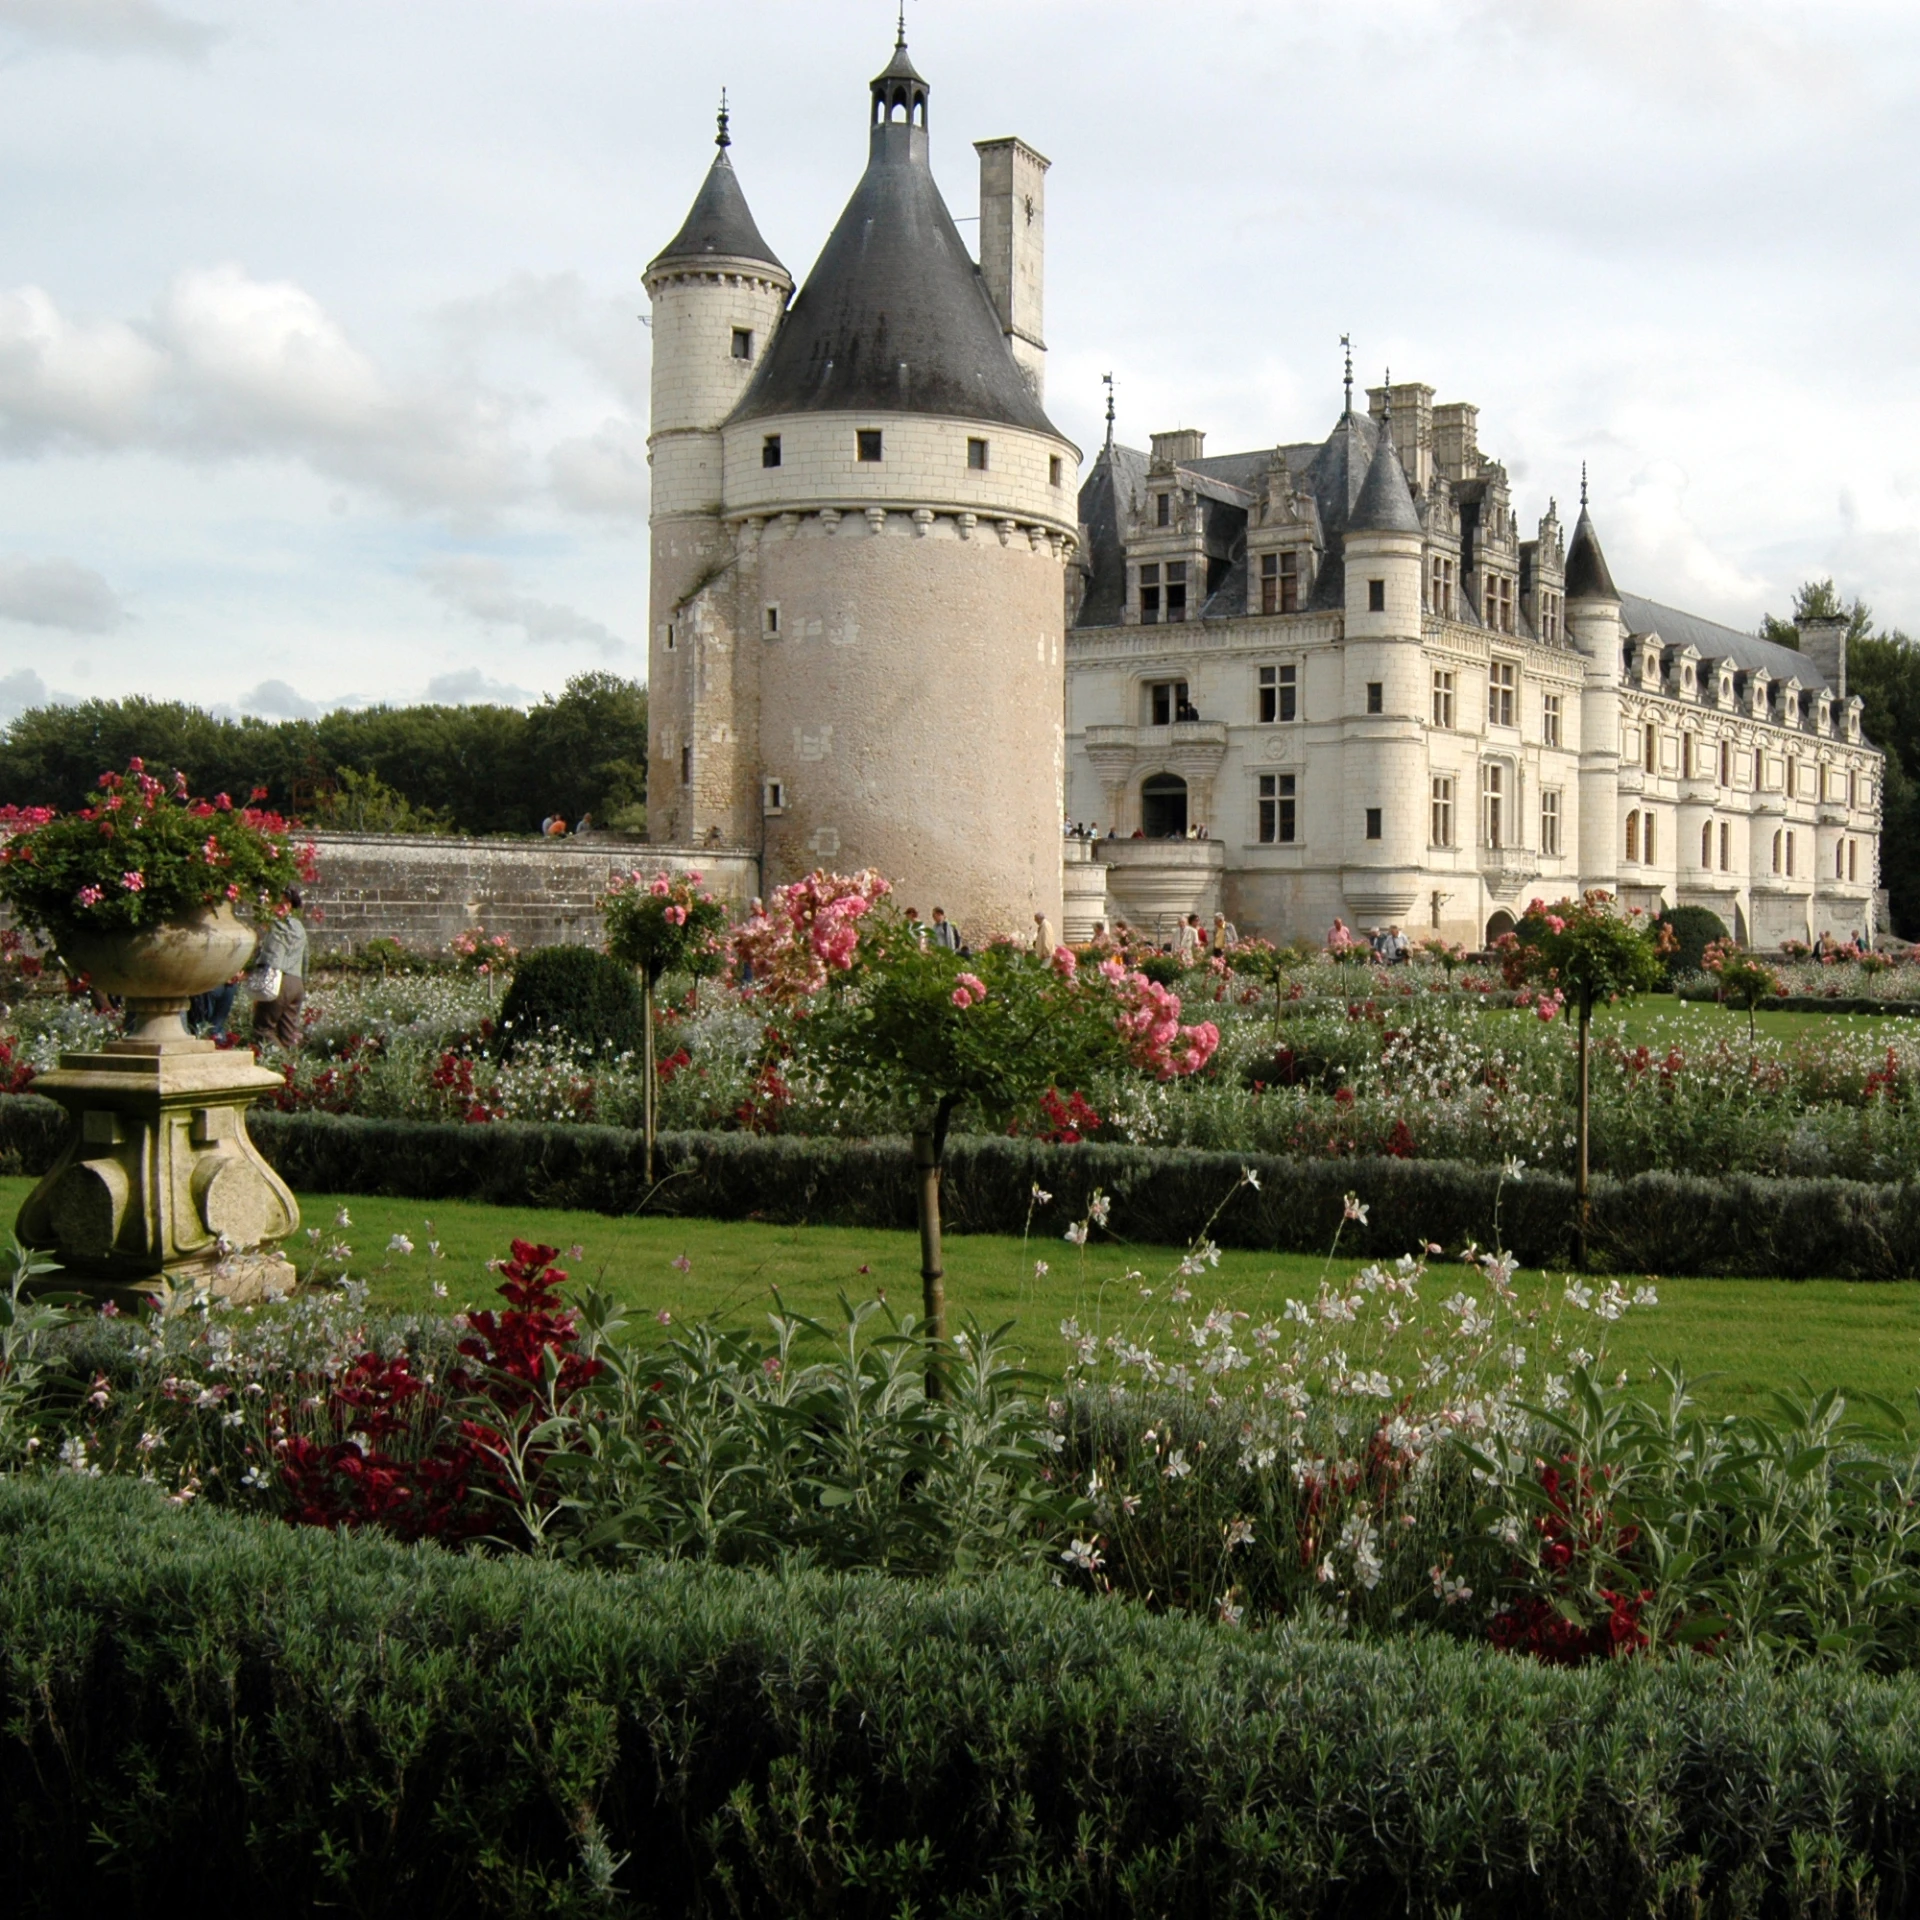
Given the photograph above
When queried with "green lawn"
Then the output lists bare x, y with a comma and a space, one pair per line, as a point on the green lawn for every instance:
1635, 1019
1751, 1334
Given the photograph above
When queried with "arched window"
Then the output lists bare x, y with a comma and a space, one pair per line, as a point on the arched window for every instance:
1706, 845
1163, 806
1633, 836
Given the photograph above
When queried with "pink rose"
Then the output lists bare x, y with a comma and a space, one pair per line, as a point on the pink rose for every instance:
133, 881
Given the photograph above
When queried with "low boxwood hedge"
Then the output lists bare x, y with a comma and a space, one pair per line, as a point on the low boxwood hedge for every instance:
209, 1714
1652, 1223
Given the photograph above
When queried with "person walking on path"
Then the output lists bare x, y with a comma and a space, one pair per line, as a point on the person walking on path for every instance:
1043, 941
944, 933
285, 947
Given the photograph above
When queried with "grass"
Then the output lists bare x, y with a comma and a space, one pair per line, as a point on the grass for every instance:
1751, 1335
1637, 1019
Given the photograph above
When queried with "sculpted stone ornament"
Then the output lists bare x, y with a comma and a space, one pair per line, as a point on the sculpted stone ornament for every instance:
158, 1177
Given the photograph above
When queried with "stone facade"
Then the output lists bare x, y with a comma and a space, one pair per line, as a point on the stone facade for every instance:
1434, 724
424, 890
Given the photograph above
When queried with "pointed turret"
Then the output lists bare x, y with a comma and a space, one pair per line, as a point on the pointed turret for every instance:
895, 316
720, 225
1384, 504
1588, 577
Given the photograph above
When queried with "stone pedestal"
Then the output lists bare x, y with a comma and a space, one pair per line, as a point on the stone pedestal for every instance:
158, 1177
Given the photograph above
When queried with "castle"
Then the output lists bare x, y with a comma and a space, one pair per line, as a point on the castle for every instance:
889, 629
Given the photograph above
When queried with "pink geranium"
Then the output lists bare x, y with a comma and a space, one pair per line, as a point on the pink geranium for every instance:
133, 881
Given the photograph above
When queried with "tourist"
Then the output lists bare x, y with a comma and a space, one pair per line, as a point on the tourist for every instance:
556, 828
1225, 933
945, 933
586, 824
546, 826
1043, 941
1186, 938
1102, 941
208, 1013
285, 948
912, 917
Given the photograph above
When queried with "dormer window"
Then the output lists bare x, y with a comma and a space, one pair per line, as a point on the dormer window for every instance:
1280, 582
1686, 681
1726, 689
1163, 509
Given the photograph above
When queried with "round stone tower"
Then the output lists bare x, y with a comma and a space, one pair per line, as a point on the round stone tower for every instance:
1383, 823
897, 511
717, 293
1595, 626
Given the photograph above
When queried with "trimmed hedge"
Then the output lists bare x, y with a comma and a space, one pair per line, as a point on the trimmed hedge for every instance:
578, 992
208, 1714
1652, 1223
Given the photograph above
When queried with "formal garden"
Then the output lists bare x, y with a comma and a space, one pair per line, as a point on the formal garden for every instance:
788, 1418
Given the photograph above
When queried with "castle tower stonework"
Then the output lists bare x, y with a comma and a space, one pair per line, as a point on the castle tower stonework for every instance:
860, 556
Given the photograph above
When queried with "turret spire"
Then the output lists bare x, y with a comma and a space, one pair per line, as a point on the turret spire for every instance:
1108, 378
723, 140
1588, 575
1346, 341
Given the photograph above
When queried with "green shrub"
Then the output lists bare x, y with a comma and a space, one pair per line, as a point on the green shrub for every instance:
1694, 929
207, 1714
577, 992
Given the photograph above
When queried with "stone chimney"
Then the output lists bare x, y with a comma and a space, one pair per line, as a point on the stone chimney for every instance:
1181, 448
1456, 440
1013, 233
1824, 642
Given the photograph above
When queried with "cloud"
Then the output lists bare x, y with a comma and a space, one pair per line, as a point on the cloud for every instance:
108, 27
605, 473
276, 700
483, 589
57, 593
19, 691
470, 687
601, 331
230, 367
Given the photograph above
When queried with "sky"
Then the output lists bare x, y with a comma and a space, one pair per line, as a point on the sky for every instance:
323, 375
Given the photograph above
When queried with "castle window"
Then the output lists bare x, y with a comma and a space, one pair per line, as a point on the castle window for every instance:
1646, 838
1726, 846
1726, 763
1150, 594
1790, 851
1442, 810
1376, 696
1442, 700
670, 636
1176, 589
1496, 602
1633, 836
1650, 756
1278, 821
1686, 755
1502, 677
742, 343
1163, 509
1278, 694
977, 456
1550, 628
1777, 841
868, 444
1493, 805
1055, 470
1440, 586
1839, 859
773, 797
770, 622
1550, 822
1853, 859
686, 766
1167, 702
1550, 719
1373, 823
1706, 845
1376, 596
1279, 583
770, 450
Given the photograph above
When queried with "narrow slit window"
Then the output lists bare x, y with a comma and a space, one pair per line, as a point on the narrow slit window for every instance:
770, 622
1373, 823
1376, 596
1376, 696
770, 450
743, 343
977, 456
1056, 471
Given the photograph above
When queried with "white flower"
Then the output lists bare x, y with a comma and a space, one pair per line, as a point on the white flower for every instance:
1514, 1168
1040, 1269
1040, 1195
1578, 1296
1251, 1178
1099, 1207
1076, 1235
1645, 1297
1239, 1534
343, 1218
1178, 1466
150, 1440
1229, 1613
1355, 1209
399, 1244
1085, 1556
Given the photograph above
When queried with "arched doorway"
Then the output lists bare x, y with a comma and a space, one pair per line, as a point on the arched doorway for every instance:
1499, 923
1741, 937
1163, 806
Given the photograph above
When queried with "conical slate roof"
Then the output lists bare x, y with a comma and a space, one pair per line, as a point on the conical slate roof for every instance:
719, 224
1587, 574
895, 317
1384, 505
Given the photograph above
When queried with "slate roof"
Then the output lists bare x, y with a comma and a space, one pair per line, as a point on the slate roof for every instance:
895, 316
1715, 642
719, 225
1384, 504
1588, 576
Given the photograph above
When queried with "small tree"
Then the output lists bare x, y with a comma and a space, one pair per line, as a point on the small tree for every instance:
1582, 951
661, 925
1742, 980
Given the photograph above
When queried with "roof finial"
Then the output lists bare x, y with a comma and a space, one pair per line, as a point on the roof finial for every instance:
1583, 485
1346, 340
1108, 378
900, 37
723, 140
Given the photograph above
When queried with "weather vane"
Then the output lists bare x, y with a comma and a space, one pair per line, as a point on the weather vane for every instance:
722, 139
1346, 341
1108, 378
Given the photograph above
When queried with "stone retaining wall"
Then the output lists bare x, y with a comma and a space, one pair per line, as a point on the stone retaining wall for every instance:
422, 890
